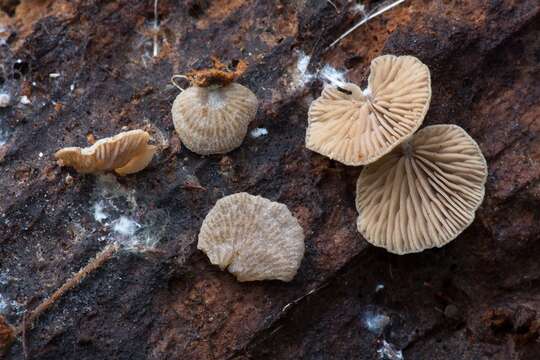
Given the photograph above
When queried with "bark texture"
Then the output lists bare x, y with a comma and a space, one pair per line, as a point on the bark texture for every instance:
92, 68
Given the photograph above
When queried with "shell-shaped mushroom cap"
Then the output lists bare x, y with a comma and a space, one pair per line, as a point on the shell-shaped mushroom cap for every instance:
358, 127
106, 154
214, 120
138, 162
253, 237
424, 193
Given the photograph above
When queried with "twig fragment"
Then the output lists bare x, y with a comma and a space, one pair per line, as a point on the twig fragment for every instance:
101, 258
155, 50
365, 20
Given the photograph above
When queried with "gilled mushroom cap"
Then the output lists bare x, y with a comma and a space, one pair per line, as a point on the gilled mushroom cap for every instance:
424, 193
253, 237
128, 149
214, 120
358, 127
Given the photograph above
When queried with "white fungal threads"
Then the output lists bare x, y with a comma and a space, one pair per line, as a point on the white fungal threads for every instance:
258, 132
125, 226
99, 212
5, 100
332, 76
375, 322
328, 74
253, 237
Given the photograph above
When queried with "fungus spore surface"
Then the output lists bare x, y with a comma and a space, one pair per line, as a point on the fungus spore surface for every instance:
424, 193
358, 127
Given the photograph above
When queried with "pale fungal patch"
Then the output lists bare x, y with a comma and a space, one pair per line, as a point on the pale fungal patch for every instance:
332, 76
214, 119
424, 193
5, 100
125, 226
388, 351
374, 321
358, 127
301, 76
258, 132
99, 212
25, 100
253, 238
126, 153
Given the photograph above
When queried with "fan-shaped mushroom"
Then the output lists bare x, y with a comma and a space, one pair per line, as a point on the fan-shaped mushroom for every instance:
253, 237
212, 116
424, 193
358, 127
126, 153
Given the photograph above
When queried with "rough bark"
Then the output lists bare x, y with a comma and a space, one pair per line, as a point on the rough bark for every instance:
477, 298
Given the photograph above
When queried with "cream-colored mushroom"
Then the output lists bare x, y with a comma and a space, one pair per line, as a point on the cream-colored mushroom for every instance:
213, 115
424, 193
126, 153
253, 237
214, 120
358, 127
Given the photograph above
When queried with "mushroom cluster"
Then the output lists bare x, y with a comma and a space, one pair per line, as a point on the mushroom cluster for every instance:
417, 191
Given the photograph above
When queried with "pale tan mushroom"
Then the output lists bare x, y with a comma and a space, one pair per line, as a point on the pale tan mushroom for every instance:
253, 237
127, 152
424, 193
138, 162
212, 116
358, 127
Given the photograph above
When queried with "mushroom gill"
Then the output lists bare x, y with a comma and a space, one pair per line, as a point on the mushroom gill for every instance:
358, 127
424, 193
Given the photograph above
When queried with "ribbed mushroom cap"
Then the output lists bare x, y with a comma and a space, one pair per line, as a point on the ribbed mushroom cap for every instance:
424, 193
253, 237
109, 153
358, 127
214, 120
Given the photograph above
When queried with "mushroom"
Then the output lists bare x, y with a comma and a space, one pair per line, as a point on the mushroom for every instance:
125, 153
424, 193
253, 237
358, 127
212, 116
